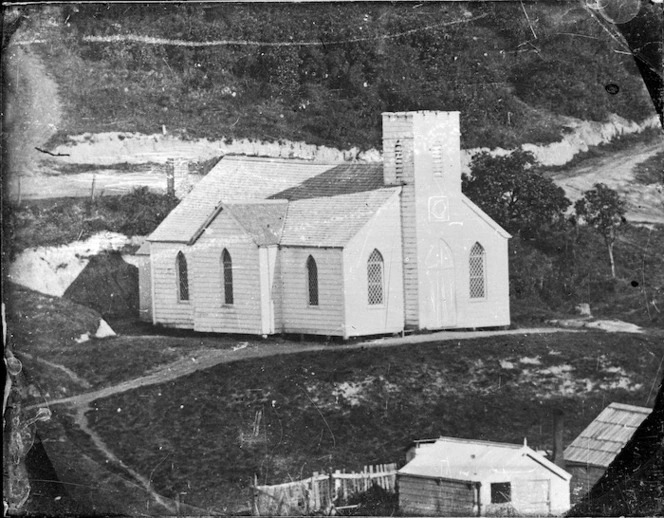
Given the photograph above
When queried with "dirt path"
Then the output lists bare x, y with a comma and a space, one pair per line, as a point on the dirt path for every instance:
187, 366
644, 202
33, 112
82, 423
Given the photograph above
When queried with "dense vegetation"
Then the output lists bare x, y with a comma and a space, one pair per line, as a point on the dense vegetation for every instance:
324, 73
61, 221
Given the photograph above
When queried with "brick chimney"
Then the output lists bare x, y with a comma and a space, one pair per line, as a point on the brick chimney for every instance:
558, 430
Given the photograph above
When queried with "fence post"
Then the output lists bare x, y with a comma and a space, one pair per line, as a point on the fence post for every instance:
330, 489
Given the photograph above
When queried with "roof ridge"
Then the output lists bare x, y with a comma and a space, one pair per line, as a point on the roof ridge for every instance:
633, 408
259, 158
481, 441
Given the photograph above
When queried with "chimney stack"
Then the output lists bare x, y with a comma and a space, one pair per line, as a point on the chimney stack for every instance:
558, 429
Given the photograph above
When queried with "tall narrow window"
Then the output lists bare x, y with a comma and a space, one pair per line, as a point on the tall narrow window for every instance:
312, 281
183, 278
398, 160
477, 274
375, 278
228, 276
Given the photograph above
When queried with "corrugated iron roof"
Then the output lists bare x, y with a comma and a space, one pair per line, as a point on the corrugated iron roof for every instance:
233, 179
603, 439
331, 221
475, 461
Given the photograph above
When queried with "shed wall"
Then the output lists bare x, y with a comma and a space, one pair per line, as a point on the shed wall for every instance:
211, 312
583, 479
419, 496
327, 318
382, 233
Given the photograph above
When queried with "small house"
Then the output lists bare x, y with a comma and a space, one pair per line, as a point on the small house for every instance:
263, 246
461, 477
588, 456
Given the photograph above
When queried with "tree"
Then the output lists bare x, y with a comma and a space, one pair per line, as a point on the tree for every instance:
514, 193
604, 210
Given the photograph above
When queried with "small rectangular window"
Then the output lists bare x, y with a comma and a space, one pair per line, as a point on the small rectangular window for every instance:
501, 492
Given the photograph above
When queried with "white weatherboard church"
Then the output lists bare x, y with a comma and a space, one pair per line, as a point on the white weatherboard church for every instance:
263, 246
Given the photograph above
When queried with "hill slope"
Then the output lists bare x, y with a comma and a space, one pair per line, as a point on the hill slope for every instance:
323, 74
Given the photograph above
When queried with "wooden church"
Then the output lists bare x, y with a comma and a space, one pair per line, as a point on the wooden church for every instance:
263, 246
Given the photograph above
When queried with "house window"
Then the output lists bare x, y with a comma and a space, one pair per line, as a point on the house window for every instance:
228, 276
312, 281
375, 278
501, 493
183, 278
398, 160
477, 278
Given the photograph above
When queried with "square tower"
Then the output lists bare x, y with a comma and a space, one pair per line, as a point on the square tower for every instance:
421, 153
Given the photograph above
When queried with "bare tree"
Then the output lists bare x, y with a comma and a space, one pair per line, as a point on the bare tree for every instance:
603, 209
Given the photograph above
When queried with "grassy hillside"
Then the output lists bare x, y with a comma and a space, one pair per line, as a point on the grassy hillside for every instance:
324, 73
284, 417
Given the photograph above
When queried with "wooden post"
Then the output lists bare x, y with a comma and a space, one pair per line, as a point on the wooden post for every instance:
92, 189
330, 489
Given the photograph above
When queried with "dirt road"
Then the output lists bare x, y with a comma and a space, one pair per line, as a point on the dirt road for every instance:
33, 111
645, 203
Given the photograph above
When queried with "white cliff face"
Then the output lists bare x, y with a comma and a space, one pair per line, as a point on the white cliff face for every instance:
578, 138
135, 148
50, 270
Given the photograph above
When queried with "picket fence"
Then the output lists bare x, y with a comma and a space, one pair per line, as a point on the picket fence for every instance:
321, 492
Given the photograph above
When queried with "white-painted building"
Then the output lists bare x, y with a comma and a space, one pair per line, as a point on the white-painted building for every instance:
461, 477
266, 246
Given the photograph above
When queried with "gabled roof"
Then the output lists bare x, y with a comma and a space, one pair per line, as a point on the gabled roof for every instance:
485, 217
144, 249
233, 179
331, 221
264, 222
475, 461
603, 439
341, 179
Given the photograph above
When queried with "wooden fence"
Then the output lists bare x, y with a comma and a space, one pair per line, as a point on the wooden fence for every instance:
320, 493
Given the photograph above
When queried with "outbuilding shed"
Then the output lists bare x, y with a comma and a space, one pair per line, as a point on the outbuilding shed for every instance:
264, 246
588, 456
461, 477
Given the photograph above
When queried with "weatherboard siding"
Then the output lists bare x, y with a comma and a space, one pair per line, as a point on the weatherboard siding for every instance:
145, 289
419, 496
168, 310
381, 233
297, 315
211, 313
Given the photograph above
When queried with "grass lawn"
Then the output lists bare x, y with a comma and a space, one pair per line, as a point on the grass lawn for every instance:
46, 328
283, 417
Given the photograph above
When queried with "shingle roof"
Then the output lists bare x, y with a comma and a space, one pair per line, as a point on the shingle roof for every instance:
342, 179
603, 439
331, 221
475, 461
264, 222
233, 179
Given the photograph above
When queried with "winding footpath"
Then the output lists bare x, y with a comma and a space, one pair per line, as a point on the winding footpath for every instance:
187, 366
